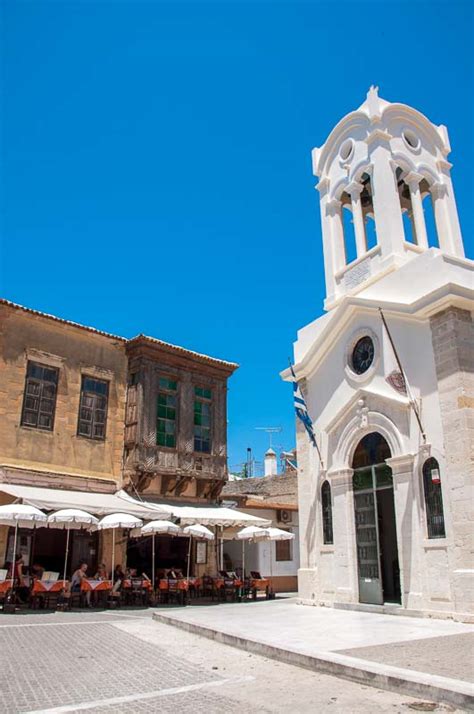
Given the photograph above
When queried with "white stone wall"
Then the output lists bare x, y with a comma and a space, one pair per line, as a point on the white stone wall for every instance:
257, 555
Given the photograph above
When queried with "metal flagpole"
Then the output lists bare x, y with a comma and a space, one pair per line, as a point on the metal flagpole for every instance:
402, 371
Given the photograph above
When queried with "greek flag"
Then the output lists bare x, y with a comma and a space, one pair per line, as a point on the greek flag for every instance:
301, 408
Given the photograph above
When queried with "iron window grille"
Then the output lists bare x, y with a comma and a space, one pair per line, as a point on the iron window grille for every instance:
93, 408
202, 419
433, 499
166, 413
328, 538
39, 399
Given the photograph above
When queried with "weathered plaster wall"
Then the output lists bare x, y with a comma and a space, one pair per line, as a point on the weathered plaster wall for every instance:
76, 352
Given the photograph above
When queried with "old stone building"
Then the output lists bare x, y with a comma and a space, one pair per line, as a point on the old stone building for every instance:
386, 514
176, 422
62, 408
175, 435
70, 436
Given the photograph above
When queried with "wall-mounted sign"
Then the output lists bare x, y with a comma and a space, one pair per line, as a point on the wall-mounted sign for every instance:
201, 552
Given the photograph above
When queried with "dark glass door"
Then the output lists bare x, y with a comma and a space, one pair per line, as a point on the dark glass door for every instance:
376, 537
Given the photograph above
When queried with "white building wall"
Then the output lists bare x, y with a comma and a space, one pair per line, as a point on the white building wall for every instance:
257, 555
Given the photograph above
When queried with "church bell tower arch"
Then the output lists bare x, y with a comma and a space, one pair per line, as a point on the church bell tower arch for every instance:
376, 169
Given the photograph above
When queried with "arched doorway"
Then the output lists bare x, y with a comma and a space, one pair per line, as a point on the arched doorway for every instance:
376, 531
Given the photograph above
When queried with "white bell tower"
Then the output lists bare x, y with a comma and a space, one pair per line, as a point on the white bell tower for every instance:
378, 169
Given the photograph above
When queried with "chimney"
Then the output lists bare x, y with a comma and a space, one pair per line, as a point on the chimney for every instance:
270, 463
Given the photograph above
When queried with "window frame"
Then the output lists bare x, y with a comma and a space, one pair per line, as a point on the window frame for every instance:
93, 409
167, 391
201, 398
436, 493
286, 544
30, 379
326, 513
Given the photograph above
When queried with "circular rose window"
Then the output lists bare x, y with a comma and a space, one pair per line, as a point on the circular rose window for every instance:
363, 355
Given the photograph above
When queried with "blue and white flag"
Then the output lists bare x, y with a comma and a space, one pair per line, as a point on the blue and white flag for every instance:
301, 409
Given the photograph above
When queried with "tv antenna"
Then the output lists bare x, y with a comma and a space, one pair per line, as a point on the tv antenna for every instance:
270, 431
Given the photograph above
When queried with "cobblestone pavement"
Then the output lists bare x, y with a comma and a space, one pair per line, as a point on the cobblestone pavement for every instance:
114, 662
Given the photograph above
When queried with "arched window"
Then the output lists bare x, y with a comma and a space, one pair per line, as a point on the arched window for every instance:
350, 251
433, 499
406, 206
366, 198
327, 513
430, 222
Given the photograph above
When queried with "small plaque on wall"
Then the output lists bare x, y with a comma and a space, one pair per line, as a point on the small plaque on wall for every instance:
201, 553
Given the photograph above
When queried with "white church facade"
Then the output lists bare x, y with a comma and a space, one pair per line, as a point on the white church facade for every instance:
386, 510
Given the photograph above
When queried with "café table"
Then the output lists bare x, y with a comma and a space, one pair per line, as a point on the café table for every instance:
96, 587
136, 589
258, 585
5, 587
43, 590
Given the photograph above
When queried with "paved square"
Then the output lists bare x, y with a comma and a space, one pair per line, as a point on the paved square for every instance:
121, 662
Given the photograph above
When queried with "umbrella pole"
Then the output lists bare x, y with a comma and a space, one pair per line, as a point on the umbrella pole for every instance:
113, 556
189, 556
153, 563
271, 567
14, 553
11, 595
67, 553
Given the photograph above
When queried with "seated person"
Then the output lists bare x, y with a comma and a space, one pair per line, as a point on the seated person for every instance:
76, 580
22, 590
119, 577
102, 573
37, 571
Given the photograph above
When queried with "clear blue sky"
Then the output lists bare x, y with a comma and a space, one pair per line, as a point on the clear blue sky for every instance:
156, 173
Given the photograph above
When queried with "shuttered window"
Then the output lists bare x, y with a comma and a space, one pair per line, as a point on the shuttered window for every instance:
39, 399
93, 408
166, 412
202, 419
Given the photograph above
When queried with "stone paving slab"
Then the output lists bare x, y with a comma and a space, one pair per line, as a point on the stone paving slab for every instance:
313, 637
448, 656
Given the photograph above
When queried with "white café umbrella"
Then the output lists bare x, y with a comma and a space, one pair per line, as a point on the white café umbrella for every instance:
114, 521
255, 534
71, 519
163, 528
251, 533
20, 515
200, 533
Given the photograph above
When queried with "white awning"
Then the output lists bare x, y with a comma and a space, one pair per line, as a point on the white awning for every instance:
205, 515
100, 504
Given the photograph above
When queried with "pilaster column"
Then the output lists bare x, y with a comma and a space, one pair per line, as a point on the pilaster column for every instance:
413, 181
334, 215
354, 190
450, 238
345, 552
387, 209
409, 537
328, 248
